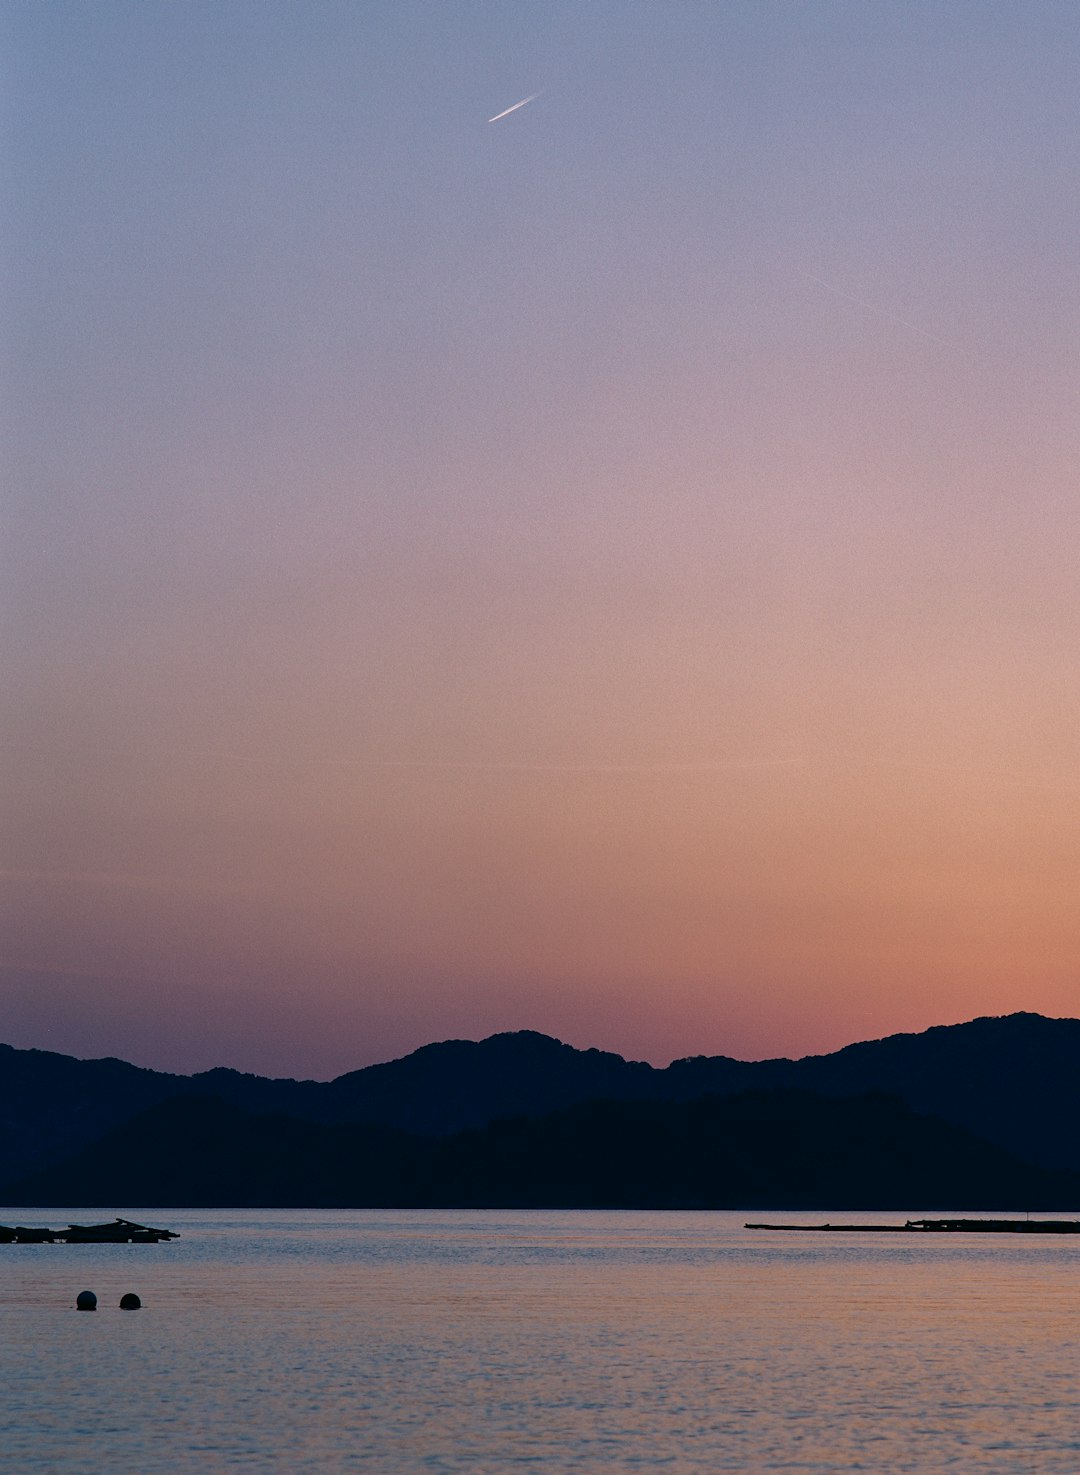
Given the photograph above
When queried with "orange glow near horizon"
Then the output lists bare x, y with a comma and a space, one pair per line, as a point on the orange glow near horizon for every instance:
612, 573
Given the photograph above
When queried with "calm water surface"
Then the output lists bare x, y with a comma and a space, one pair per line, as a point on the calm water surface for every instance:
398, 1342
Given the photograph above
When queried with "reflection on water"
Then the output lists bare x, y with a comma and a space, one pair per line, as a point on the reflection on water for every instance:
401, 1342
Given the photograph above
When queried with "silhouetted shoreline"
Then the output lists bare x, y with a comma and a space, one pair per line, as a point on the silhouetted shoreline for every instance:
977, 1116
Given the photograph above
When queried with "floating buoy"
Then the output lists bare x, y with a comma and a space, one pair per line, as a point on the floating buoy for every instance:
86, 1301
130, 1302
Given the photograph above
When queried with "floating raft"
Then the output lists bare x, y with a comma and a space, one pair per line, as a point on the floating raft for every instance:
117, 1232
940, 1226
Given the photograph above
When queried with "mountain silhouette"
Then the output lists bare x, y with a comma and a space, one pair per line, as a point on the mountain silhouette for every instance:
1012, 1081
780, 1149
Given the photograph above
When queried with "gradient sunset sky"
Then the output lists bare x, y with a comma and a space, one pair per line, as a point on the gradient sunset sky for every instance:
614, 570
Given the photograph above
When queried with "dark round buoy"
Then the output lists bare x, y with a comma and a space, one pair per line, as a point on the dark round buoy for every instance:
86, 1301
130, 1302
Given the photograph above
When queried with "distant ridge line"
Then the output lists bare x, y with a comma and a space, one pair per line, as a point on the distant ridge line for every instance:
1011, 1080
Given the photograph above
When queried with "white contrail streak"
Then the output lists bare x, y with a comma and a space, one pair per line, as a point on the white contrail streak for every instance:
882, 312
507, 111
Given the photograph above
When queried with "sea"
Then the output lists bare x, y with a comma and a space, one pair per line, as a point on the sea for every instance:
488, 1341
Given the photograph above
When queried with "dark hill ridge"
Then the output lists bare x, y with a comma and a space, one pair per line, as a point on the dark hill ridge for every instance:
782, 1149
51, 1105
1014, 1081
443, 1088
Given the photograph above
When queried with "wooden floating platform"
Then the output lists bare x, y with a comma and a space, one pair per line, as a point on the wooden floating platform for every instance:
117, 1232
939, 1226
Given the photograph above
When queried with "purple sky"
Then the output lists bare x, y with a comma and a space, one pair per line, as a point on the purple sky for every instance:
612, 570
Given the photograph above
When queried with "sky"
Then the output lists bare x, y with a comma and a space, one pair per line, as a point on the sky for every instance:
611, 570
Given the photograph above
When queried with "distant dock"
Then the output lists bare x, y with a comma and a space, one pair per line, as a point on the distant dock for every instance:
937, 1226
